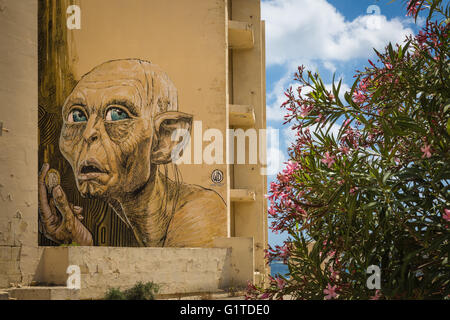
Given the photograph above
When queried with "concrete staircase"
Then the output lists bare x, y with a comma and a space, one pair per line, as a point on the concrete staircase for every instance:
40, 293
4, 295
219, 295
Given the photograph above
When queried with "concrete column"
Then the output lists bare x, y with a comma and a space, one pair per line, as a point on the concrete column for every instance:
19, 145
250, 218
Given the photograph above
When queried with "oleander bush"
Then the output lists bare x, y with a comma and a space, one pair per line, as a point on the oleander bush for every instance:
140, 291
367, 182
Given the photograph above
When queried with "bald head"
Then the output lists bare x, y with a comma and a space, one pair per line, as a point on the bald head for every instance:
114, 126
139, 80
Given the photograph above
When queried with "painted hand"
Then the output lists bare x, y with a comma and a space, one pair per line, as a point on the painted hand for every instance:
60, 219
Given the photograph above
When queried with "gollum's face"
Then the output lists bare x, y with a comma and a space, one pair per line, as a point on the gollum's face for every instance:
118, 125
107, 133
107, 138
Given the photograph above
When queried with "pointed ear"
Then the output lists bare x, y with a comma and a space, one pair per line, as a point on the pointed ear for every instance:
169, 125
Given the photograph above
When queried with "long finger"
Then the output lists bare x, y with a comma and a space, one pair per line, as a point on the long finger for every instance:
64, 207
76, 211
43, 172
54, 221
56, 217
61, 202
42, 191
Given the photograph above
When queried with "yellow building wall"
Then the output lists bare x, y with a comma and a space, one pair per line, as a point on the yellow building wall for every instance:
248, 65
189, 41
19, 254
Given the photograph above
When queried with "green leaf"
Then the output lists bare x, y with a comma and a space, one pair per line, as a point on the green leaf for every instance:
386, 176
391, 53
355, 84
446, 108
377, 92
350, 101
370, 205
405, 49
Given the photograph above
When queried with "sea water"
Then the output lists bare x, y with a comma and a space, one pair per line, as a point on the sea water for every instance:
278, 267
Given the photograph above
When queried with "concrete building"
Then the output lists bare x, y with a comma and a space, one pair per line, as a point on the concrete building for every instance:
213, 51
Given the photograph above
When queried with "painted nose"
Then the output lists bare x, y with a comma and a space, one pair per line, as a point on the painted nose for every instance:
91, 133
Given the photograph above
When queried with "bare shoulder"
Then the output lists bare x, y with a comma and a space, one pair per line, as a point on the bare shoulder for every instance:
200, 216
191, 194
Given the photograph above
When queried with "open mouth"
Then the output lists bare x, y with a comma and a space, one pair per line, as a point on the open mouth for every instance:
90, 169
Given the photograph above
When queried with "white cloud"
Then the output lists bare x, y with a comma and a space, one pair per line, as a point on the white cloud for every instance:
290, 135
276, 96
275, 156
314, 29
274, 112
329, 66
314, 34
275, 161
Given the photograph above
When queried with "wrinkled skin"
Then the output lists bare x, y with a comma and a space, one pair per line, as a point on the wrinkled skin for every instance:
117, 128
60, 219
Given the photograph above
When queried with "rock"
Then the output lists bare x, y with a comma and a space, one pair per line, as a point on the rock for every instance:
4, 295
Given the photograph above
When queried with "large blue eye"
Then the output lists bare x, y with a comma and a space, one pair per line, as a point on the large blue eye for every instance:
76, 115
116, 114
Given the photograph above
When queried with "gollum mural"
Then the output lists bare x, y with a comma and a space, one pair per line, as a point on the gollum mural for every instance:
117, 125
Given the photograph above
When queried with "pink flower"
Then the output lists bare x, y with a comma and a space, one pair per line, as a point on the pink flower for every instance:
289, 204
359, 97
345, 150
284, 251
414, 7
250, 286
422, 38
330, 292
272, 212
364, 83
446, 216
426, 149
376, 296
334, 274
284, 177
328, 160
353, 190
304, 111
291, 168
280, 283
319, 118
264, 296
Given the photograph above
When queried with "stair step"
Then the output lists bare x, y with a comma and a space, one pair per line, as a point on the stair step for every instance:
44, 293
208, 296
4, 295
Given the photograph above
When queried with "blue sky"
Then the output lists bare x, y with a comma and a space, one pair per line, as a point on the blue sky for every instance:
328, 36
